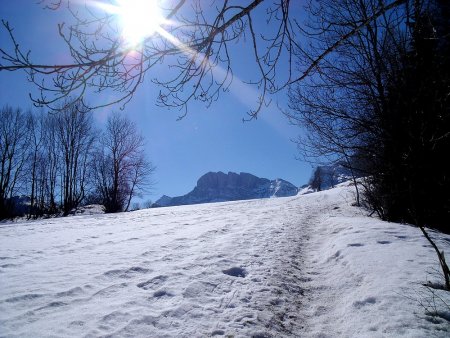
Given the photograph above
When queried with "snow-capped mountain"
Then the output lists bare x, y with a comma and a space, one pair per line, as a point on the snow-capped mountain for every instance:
221, 187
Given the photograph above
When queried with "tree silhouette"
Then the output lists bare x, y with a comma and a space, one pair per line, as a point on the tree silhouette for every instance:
121, 169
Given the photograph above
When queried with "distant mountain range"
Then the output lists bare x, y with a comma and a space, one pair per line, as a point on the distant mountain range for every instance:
221, 187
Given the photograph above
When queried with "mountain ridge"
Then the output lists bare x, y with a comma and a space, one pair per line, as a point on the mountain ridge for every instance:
221, 187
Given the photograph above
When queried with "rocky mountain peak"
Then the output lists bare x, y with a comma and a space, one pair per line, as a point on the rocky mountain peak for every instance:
220, 187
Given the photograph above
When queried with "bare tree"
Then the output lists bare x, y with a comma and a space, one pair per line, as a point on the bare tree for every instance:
14, 141
37, 159
44, 163
380, 103
341, 104
139, 173
193, 41
49, 157
75, 137
51, 166
122, 171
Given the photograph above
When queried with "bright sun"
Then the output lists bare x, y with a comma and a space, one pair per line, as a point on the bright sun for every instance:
138, 19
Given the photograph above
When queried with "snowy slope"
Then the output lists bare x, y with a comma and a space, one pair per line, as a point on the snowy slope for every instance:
303, 266
365, 276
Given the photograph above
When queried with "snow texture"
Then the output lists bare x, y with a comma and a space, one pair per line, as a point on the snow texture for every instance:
304, 266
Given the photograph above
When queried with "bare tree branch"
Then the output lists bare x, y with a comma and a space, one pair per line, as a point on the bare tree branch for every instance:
189, 57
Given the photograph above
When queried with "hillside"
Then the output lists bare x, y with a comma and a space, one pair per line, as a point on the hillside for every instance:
302, 266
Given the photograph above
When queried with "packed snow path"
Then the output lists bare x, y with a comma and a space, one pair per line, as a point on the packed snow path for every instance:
304, 266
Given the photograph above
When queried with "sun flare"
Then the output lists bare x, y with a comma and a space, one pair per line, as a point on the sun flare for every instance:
138, 19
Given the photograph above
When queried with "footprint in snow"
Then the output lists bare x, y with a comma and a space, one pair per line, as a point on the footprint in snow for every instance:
70, 293
367, 301
5, 266
51, 306
337, 256
128, 273
355, 244
26, 297
152, 283
162, 293
218, 333
383, 242
76, 323
235, 272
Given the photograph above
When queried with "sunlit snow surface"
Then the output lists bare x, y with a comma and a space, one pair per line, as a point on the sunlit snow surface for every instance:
303, 266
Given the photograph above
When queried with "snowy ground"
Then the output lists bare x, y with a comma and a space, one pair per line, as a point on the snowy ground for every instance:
303, 266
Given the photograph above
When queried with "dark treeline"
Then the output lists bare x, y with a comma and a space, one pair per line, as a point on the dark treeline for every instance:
52, 163
381, 104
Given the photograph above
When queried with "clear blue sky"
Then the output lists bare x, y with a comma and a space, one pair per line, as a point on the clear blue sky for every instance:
207, 139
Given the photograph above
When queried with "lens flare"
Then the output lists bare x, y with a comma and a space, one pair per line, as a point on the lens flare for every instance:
138, 19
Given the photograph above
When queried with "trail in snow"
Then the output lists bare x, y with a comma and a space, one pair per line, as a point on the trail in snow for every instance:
304, 266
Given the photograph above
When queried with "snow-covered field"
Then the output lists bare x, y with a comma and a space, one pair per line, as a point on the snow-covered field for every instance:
303, 266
